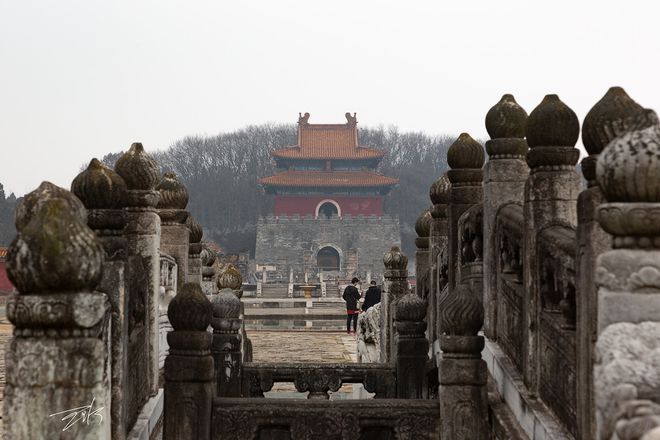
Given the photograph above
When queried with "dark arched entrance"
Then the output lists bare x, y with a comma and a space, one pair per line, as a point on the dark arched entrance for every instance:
328, 209
328, 258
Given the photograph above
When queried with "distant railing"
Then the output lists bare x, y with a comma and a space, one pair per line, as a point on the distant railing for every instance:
318, 379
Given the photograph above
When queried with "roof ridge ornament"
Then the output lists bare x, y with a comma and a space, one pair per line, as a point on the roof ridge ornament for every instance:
303, 119
351, 120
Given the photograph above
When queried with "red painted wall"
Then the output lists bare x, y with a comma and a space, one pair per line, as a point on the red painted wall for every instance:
5, 284
353, 205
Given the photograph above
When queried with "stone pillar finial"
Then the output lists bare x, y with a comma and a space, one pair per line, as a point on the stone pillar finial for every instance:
173, 193
208, 257
394, 287
104, 194
194, 250
231, 278
506, 119
412, 347
54, 249
139, 170
423, 229
227, 342
56, 262
610, 117
175, 235
463, 313
439, 194
143, 233
99, 187
189, 366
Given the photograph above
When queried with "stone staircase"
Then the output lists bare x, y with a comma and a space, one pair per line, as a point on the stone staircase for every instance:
274, 290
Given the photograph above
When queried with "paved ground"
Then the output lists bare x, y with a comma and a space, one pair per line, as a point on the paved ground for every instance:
303, 347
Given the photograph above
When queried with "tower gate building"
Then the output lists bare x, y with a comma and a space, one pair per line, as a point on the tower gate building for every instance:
328, 212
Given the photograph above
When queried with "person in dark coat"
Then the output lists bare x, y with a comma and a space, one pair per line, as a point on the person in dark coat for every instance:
352, 296
372, 297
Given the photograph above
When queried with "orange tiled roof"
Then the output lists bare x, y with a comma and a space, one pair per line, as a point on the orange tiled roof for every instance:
328, 179
328, 141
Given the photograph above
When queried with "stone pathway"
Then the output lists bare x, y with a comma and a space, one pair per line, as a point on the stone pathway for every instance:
303, 347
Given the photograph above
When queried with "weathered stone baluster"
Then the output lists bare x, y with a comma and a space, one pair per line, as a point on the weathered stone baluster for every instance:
423, 229
608, 118
103, 193
231, 279
208, 257
465, 158
439, 194
227, 342
626, 381
59, 357
551, 193
412, 347
194, 251
173, 215
462, 372
141, 174
189, 367
505, 174
394, 287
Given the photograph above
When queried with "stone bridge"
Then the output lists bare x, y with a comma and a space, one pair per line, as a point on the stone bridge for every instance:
536, 313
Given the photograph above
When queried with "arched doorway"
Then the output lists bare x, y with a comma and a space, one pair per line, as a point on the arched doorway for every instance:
327, 209
328, 258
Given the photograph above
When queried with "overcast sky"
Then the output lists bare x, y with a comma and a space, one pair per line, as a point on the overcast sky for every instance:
79, 79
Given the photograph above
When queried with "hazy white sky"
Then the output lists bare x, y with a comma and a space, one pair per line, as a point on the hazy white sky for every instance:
82, 78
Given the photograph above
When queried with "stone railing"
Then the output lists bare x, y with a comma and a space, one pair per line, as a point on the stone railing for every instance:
318, 379
239, 419
168, 288
544, 257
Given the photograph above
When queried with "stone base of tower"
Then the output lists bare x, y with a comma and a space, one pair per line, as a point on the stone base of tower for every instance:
298, 249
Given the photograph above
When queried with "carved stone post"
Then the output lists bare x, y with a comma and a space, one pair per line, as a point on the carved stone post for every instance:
173, 216
465, 158
140, 172
423, 228
227, 341
628, 280
208, 257
439, 194
394, 287
59, 357
505, 174
231, 279
103, 191
462, 372
609, 118
551, 193
412, 347
194, 251
189, 367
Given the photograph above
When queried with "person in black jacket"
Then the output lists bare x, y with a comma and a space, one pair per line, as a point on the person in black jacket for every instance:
372, 297
352, 296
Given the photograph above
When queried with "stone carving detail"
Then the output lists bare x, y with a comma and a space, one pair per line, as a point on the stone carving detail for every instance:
99, 187
54, 249
506, 119
230, 279
173, 193
465, 153
395, 259
462, 313
190, 309
318, 383
368, 335
627, 380
139, 170
196, 230
470, 232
